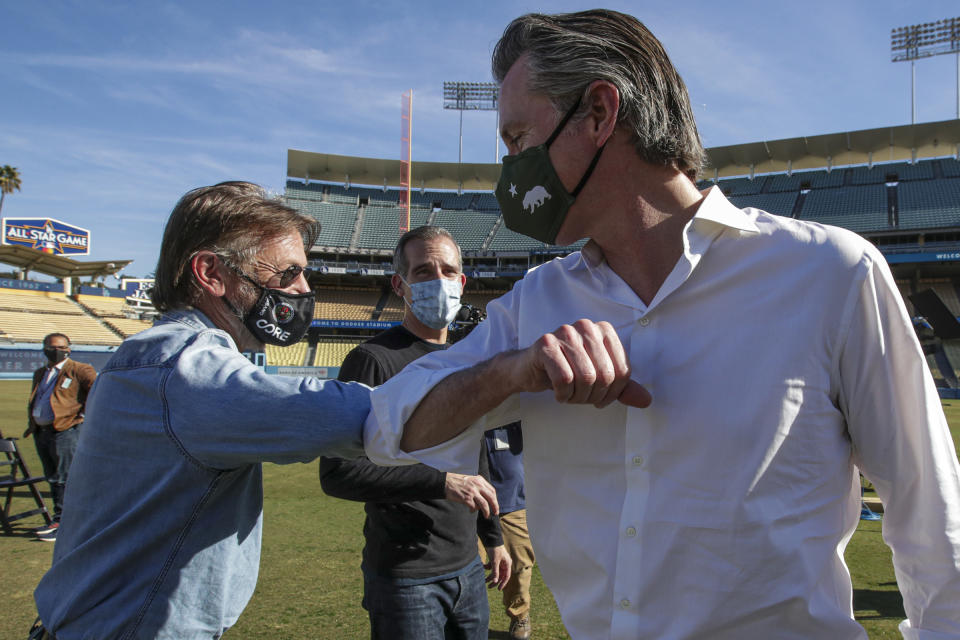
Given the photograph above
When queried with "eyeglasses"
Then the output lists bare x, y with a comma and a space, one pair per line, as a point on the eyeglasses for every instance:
287, 276
291, 273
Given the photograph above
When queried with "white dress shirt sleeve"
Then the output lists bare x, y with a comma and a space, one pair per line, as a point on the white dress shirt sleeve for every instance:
394, 402
902, 444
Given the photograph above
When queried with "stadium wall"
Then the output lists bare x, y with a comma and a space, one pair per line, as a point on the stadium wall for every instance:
18, 362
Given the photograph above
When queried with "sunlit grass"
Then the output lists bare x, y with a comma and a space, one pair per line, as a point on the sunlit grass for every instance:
310, 584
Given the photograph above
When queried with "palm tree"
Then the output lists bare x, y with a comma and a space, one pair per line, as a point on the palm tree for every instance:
9, 181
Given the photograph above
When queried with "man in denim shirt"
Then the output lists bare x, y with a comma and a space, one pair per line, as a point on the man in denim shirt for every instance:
160, 537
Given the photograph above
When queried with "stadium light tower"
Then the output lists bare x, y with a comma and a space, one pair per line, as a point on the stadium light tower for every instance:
923, 41
472, 96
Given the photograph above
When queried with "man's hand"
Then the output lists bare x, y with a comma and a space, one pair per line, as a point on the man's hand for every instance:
473, 491
500, 566
583, 363
26, 434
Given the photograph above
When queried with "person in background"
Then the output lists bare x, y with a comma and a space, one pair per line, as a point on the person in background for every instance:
422, 575
504, 451
161, 537
54, 417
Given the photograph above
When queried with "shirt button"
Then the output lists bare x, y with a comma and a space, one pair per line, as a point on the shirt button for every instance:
644, 321
631, 532
638, 460
625, 603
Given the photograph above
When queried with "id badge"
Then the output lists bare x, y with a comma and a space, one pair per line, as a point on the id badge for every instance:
66, 383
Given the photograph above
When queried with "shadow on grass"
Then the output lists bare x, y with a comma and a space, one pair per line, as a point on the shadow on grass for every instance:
24, 502
24, 492
886, 604
20, 533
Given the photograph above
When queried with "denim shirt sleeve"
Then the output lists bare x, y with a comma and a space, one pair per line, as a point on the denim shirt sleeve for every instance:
225, 412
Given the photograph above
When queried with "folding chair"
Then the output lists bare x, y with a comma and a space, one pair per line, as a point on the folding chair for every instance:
18, 476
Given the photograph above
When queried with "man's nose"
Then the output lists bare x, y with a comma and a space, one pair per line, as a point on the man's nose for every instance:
300, 285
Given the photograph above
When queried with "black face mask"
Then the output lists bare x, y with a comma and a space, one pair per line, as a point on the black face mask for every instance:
56, 356
277, 318
532, 198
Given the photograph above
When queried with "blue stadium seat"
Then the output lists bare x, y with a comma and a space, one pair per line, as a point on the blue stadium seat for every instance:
891, 172
336, 220
742, 186
381, 226
822, 179
925, 202
379, 197
507, 240
858, 208
780, 204
486, 202
783, 182
929, 204
470, 228
950, 167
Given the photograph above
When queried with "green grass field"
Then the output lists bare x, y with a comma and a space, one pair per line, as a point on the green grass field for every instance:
310, 585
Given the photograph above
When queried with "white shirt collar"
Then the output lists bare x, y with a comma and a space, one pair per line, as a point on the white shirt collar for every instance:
714, 208
714, 215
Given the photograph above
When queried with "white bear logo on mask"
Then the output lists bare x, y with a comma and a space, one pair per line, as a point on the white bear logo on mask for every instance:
535, 197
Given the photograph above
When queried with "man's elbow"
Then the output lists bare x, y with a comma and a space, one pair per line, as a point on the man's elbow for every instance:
329, 488
329, 473
333, 486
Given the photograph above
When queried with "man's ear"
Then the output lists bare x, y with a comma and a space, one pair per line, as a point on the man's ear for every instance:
463, 282
206, 271
397, 284
604, 100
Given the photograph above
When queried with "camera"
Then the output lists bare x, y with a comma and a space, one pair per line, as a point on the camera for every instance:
468, 317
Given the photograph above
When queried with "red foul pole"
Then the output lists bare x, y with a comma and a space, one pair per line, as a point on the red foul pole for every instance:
406, 166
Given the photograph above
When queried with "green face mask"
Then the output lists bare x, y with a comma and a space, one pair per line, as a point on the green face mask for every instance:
532, 198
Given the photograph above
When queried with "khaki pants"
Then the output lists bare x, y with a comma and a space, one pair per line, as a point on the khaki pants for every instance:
516, 595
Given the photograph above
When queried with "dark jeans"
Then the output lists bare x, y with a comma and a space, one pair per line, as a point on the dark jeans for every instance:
56, 449
455, 608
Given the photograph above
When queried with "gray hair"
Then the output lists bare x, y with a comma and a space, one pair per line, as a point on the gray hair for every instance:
567, 52
231, 219
425, 233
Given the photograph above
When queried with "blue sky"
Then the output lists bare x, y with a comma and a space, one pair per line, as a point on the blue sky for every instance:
112, 111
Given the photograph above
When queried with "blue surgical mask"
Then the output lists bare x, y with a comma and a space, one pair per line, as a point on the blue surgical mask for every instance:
435, 302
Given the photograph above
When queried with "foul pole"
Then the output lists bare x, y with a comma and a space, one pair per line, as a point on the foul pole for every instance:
406, 158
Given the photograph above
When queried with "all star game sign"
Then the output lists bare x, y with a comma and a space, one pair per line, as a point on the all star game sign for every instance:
47, 235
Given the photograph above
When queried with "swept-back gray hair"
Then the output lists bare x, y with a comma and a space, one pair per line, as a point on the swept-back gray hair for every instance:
566, 52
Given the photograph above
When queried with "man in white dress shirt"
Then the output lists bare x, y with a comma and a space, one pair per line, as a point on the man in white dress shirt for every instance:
697, 386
